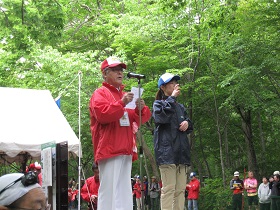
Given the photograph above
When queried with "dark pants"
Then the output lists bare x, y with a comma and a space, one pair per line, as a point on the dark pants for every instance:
253, 200
155, 203
134, 203
92, 206
237, 201
275, 204
264, 206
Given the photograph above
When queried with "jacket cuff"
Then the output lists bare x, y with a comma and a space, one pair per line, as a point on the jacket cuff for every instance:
122, 103
172, 99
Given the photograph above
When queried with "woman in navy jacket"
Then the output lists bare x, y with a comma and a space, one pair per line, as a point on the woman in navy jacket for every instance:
171, 144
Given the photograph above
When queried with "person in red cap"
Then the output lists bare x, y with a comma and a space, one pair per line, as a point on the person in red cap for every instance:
112, 135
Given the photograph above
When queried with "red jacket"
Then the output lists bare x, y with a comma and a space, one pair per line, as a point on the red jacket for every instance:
93, 186
137, 189
193, 189
74, 194
69, 195
40, 178
108, 137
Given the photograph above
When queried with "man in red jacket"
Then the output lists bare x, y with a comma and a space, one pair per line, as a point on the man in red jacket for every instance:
89, 191
193, 192
111, 124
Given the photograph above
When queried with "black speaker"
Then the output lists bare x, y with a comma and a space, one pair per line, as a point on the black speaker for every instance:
62, 176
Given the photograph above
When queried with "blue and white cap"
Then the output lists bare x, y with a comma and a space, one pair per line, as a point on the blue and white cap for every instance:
192, 174
167, 77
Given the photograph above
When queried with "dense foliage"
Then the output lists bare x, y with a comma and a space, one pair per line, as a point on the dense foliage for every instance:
226, 52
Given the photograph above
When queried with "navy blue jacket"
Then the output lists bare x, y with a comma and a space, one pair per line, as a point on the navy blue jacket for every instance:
170, 144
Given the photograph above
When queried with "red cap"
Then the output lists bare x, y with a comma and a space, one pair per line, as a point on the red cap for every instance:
31, 166
112, 62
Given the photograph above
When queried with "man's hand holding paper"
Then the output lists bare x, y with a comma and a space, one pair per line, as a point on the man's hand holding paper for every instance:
133, 104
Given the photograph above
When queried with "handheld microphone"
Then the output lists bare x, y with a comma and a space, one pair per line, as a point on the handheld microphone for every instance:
137, 76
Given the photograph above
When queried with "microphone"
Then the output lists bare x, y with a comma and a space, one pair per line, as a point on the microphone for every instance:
137, 76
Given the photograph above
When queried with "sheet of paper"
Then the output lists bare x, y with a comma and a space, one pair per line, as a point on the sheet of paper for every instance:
135, 91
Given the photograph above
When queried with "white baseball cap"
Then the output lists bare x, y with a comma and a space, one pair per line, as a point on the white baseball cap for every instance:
236, 173
276, 172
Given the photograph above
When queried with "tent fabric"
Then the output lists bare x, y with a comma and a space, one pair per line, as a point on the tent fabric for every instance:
29, 118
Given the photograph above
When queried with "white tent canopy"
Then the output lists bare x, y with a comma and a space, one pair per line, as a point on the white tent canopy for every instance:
29, 118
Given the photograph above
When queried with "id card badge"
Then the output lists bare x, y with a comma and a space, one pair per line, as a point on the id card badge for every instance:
124, 121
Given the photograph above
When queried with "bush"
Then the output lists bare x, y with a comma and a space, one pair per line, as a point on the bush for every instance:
213, 195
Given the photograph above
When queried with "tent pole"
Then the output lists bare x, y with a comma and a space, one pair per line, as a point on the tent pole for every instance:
24, 163
79, 168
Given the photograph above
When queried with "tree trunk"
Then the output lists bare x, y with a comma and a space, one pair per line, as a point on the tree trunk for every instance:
149, 155
203, 155
248, 134
227, 155
196, 161
220, 139
262, 139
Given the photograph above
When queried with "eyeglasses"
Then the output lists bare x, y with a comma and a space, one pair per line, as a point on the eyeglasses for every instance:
48, 207
115, 69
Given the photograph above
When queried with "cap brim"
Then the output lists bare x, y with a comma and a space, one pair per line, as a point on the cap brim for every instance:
117, 64
176, 77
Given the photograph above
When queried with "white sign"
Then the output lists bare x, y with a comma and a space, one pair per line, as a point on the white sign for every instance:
47, 166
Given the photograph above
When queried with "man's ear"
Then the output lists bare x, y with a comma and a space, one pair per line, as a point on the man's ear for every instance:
3, 208
104, 73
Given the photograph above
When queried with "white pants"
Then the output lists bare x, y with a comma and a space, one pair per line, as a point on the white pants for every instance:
139, 203
115, 192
